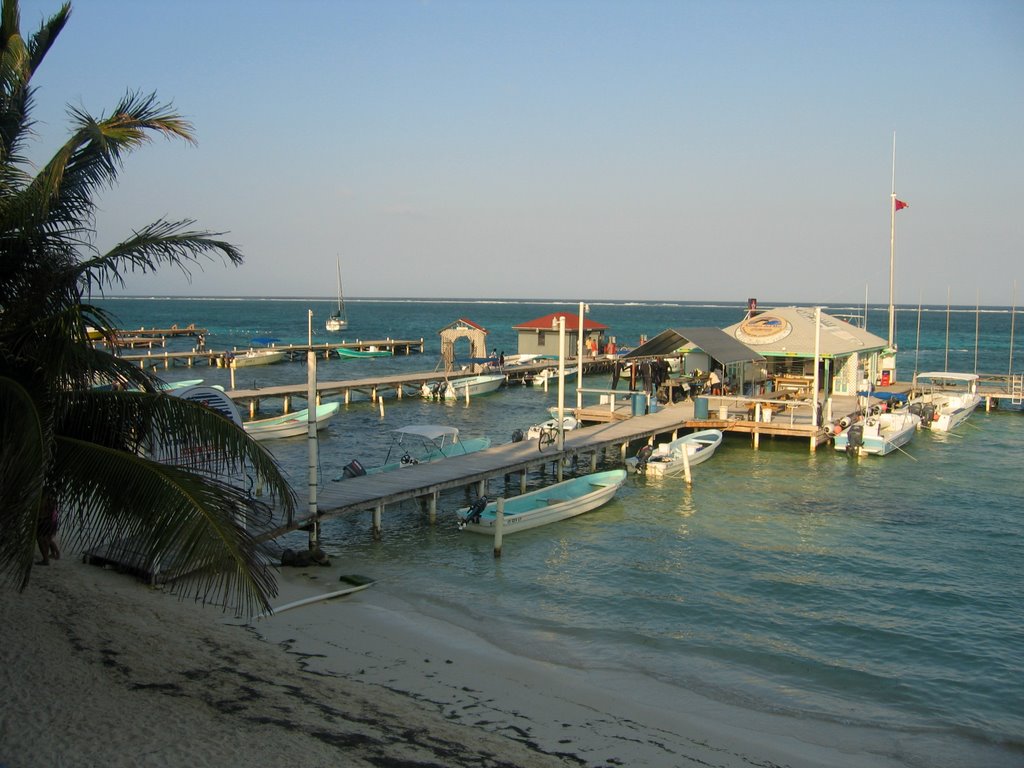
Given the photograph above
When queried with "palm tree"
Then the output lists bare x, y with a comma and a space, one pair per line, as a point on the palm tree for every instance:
121, 463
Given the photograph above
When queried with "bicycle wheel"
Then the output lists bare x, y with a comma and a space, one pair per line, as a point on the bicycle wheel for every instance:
546, 438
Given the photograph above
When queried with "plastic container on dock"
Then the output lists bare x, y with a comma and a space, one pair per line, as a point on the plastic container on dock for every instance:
700, 409
639, 404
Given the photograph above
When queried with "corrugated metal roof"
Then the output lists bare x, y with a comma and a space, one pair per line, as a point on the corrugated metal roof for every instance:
790, 331
716, 342
572, 322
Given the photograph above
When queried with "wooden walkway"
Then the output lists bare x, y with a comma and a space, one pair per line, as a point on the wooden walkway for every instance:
476, 471
398, 385
295, 352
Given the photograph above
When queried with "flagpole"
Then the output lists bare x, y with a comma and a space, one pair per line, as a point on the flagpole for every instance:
892, 249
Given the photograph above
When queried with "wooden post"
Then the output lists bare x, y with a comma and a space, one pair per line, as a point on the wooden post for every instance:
686, 466
432, 508
499, 524
757, 425
378, 513
522, 481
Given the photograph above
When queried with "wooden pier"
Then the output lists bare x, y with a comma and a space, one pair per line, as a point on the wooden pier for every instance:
477, 472
295, 352
397, 385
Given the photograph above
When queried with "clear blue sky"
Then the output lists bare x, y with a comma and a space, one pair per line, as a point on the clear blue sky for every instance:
577, 150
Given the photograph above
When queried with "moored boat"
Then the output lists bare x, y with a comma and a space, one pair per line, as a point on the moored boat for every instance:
879, 434
671, 458
944, 399
290, 424
338, 319
418, 444
545, 505
569, 423
346, 352
456, 389
253, 357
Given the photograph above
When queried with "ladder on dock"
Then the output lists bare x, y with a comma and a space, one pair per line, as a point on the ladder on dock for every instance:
1017, 388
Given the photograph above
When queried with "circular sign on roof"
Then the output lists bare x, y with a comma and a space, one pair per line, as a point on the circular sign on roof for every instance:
763, 329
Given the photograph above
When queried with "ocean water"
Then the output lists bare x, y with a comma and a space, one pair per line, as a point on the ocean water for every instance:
881, 592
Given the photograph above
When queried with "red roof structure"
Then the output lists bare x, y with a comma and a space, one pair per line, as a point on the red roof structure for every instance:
572, 320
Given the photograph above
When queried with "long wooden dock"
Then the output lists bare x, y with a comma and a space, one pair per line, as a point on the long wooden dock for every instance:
189, 358
477, 471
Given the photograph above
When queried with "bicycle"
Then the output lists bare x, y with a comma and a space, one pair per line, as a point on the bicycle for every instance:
548, 436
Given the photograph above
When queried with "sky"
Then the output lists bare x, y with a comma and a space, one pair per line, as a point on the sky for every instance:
662, 151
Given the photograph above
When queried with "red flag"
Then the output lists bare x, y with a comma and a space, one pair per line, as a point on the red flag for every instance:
899, 204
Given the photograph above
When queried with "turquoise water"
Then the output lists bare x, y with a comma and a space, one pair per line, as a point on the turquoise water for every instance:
880, 592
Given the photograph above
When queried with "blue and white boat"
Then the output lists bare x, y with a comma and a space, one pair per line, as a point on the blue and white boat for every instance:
545, 505
879, 433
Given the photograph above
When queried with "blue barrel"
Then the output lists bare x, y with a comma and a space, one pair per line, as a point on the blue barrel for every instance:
639, 404
700, 409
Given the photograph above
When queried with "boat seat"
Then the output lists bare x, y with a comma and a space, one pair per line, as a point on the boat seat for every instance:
551, 501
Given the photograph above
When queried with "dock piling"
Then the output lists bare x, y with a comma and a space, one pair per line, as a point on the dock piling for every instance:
499, 523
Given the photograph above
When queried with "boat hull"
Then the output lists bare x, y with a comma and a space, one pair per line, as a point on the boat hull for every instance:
291, 424
477, 385
667, 459
880, 434
258, 357
560, 501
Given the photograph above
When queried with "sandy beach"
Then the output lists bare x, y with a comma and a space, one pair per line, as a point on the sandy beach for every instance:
99, 668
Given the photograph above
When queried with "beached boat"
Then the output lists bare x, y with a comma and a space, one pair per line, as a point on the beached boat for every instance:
290, 424
545, 505
668, 458
879, 434
338, 319
253, 357
944, 399
568, 423
456, 389
418, 444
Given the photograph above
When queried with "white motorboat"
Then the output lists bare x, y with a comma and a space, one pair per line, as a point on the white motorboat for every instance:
568, 423
290, 424
670, 458
545, 505
418, 444
253, 357
549, 377
878, 434
944, 399
456, 388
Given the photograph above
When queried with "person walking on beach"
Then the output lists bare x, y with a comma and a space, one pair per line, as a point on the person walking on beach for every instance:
46, 529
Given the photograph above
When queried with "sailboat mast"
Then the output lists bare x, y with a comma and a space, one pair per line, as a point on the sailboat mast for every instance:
892, 249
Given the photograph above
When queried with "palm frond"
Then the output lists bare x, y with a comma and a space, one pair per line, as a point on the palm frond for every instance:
22, 471
162, 243
194, 529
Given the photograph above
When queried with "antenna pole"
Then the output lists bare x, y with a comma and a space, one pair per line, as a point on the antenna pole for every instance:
892, 249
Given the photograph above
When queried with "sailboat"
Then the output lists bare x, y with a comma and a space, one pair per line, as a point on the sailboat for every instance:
338, 321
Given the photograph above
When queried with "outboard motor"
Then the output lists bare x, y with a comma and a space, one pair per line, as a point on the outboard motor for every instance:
641, 459
517, 436
353, 469
854, 439
475, 510
927, 414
